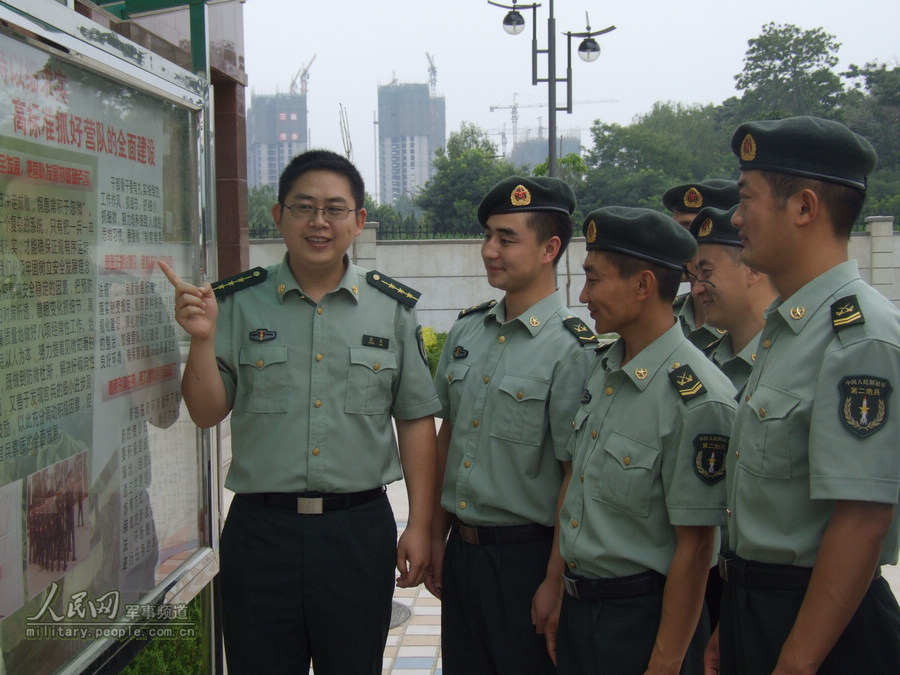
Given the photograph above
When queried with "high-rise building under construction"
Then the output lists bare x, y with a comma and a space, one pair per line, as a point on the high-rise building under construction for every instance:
276, 133
411, 127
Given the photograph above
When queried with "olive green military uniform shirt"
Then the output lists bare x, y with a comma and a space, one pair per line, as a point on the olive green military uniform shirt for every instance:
816, 422
313, 386
510, 390
735, 366
649, 454
702, 338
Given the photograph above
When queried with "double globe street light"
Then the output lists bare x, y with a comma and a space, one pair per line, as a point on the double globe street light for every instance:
588, 50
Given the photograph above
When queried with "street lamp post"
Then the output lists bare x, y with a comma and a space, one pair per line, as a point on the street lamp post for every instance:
588, 50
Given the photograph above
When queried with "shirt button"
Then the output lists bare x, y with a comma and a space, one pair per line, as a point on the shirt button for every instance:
593, 433
319, 310
582, 478
474, 423
728, 512
737, 454
467, 464
609, 391
376, 367
762, 412
766, 343
747, 397
318, 404
520, 395
449, 378
462, 505
486, 379
573, 424
501, 339
626, 460
574, 523
572, 565
259, 364
316, 452
319, 357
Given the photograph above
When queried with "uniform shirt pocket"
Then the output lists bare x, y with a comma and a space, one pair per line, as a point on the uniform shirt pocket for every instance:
520, 412
627, 471
370, 381
766, 440
263, 378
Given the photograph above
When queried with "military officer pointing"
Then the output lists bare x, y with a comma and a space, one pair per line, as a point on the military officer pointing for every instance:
813, 471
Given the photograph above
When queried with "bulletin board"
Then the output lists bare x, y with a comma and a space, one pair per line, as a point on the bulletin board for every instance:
106, 492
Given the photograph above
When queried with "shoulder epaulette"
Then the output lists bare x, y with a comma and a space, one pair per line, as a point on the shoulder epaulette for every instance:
477, 308
846, 312
239, 282
399, 292
602, 347
711, 347
680, 300
686, 382
584, 334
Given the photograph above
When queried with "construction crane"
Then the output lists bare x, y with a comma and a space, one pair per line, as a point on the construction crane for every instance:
345, 131
303, 76
432, 74
514, 110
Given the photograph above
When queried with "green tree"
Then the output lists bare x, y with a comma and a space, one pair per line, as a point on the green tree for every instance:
260, 223
788, 71
465, 171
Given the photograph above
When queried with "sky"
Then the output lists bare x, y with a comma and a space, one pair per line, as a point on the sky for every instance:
662, 50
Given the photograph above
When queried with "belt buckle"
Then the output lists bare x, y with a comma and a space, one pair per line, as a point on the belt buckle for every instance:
309, 505
571, 586
469, 535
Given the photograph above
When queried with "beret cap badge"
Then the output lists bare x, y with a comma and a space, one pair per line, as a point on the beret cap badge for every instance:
520, 196
748, 148
693, 199
706, 228
591, 235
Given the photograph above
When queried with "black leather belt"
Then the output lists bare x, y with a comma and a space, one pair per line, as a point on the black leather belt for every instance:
633, 585
763, 575
508, 534
313, 502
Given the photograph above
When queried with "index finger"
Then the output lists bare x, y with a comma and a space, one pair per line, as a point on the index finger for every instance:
173, 278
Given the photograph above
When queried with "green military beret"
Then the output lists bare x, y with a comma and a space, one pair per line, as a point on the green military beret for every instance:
691, 197
805, 146
713, 226
524, 193
641, 233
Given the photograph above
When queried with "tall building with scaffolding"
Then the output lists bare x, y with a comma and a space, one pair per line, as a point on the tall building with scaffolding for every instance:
276, 132
411, 127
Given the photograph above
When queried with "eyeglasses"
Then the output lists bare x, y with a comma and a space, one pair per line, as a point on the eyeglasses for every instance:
702, 276
308, 212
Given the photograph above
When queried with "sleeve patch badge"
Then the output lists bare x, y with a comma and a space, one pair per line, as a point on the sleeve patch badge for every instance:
687, 384
709, 457
375, 341
586, 397
846, 312
420, 338
864, 403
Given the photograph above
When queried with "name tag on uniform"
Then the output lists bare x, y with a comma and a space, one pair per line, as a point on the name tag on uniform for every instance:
375, 341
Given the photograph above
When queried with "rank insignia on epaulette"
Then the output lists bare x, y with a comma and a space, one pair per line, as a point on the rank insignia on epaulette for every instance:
262, 335
477, 308
578, 328
401, 293
864, 403
460, 352
239, 282
680, 300
709, 457
686, 382
846, 312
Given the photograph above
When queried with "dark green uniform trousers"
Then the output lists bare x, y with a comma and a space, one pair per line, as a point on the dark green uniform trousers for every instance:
299, 587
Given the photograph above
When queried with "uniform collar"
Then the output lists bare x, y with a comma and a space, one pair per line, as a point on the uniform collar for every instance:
797, 310
650, 360
534, 318
723, 351
285, 281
